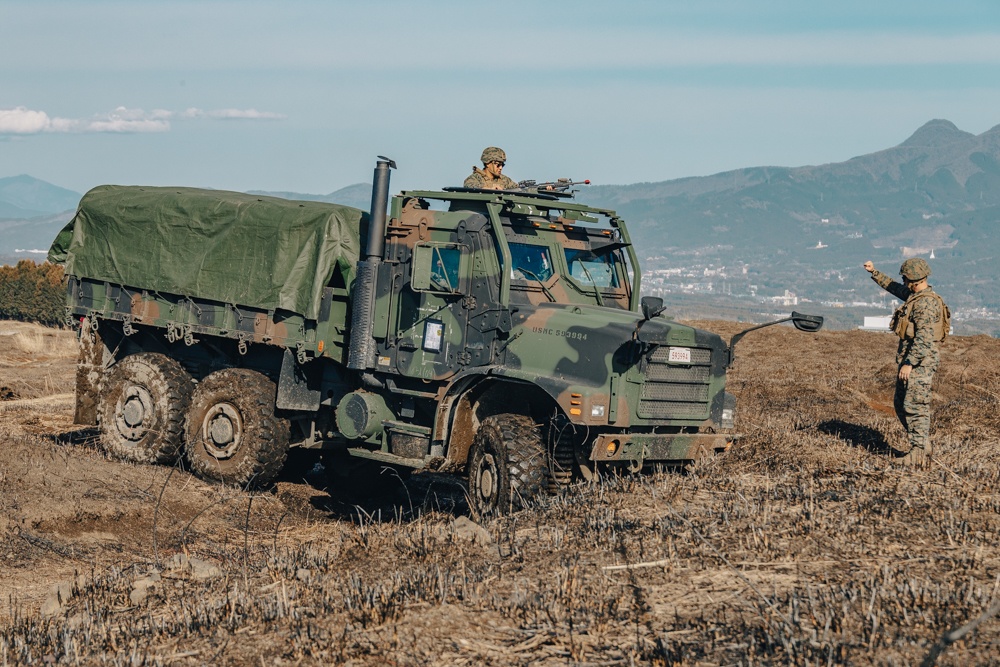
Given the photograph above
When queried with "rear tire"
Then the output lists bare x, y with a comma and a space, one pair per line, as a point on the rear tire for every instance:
141, 408
232, 433
507, 464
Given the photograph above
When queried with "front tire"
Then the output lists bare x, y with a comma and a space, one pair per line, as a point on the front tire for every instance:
507, 464
232, 433
141, 408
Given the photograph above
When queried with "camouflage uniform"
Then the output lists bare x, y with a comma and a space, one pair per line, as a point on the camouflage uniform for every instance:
481, 179
478, 180
912, 399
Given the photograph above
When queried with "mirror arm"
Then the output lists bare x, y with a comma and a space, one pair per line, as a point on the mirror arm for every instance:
815, 323
735, 339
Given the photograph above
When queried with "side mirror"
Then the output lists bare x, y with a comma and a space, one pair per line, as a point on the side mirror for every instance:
810, 323
651, 306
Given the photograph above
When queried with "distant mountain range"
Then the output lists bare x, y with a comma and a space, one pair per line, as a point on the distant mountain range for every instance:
26, 197
358, 195
928, 193
808, 229
938, 191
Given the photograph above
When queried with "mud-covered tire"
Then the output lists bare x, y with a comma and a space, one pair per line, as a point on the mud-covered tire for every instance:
232, 434
142, 407
507, 464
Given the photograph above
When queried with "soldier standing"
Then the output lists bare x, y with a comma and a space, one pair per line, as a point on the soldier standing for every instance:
922, 324
491, 177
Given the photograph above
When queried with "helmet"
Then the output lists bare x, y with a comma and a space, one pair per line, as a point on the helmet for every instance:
915, 269
493, 154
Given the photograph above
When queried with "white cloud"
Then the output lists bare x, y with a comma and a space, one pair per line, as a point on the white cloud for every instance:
125, 120
227, 114
21, 120
249, 114
126, 126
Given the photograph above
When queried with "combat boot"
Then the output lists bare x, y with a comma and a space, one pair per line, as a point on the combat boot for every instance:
917, 457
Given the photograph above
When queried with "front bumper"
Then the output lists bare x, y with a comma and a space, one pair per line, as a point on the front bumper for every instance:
640, 448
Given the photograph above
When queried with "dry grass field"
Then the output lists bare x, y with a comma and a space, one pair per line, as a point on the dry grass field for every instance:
808, 543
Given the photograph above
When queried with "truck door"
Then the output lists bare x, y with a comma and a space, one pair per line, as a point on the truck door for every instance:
433, 310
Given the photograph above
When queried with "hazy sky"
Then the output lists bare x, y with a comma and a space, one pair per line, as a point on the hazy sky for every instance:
302, 95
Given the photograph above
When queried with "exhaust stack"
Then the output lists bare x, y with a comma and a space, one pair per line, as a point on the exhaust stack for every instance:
361, 353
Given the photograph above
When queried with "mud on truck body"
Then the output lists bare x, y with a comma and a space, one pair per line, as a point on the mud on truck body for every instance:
495, 333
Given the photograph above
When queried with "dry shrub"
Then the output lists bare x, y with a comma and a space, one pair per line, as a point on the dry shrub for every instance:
29, 342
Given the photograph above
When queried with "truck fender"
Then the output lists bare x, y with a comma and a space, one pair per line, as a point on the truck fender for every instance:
472, 398
94, 357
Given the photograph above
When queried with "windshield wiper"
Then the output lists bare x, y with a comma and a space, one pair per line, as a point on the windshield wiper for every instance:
538, 280
597, 291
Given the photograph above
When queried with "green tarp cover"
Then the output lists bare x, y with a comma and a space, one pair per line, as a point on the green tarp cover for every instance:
236, 248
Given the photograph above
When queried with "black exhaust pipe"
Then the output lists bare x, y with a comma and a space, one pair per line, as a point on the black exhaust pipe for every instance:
361, 353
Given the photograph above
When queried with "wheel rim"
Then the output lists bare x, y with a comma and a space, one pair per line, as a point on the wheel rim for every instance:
488, 481
222, 431
134, 413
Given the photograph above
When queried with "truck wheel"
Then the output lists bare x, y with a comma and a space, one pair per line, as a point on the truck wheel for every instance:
142, 406
232, 433
506, 464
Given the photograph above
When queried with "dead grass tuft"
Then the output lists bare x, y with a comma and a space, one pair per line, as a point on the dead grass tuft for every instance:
807, 543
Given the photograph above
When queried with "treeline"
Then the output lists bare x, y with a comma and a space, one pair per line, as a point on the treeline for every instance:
33, 293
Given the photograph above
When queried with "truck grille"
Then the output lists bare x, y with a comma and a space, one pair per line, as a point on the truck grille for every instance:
676, 391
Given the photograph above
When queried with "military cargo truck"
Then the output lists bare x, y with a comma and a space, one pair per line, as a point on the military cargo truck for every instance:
495, 333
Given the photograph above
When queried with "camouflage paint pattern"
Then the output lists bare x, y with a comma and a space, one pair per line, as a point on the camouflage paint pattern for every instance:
575, 342
477, 179
912, 398
459, 333
184, 318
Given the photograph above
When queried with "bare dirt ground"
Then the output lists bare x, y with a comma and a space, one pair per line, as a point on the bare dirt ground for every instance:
808, 543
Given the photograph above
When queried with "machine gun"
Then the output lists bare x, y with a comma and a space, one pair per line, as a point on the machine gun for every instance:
561, 185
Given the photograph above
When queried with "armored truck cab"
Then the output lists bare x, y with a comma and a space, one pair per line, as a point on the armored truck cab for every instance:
496, 333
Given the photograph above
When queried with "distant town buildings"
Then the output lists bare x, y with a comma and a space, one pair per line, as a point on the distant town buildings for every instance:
743, 286
877, 323
786, 299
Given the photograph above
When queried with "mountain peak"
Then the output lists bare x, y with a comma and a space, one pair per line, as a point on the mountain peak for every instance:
25, 196
935, 133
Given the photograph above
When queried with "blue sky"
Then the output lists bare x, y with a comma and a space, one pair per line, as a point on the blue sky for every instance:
302, 95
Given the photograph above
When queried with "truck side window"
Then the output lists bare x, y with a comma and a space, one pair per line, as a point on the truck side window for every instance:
437, 268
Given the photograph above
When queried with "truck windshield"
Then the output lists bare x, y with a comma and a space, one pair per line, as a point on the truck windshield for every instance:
530, 262
588, 268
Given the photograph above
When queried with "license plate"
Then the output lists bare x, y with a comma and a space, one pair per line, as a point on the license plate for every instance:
680, 355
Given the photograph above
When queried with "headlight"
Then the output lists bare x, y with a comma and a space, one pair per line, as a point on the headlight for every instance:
728, 410
597, 411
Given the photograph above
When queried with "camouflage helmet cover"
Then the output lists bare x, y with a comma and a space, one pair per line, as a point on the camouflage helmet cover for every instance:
915, 269
493, 154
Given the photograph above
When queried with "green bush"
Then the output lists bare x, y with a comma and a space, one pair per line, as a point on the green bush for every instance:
33, 293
